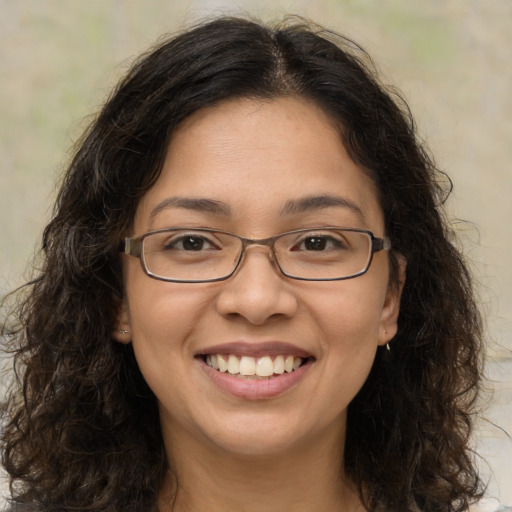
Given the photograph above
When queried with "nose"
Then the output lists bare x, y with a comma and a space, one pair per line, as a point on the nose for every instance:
257, 291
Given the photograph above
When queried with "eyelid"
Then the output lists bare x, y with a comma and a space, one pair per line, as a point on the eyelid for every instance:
177, 237
320, 233
199, 233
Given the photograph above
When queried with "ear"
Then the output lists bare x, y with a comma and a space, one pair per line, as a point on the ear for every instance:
391, 307
122, 331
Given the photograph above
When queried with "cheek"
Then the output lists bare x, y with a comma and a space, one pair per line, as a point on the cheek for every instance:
157, 308
350, 338
349, 313
349, 319
163, 317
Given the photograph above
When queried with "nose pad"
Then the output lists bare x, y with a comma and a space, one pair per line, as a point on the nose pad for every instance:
257, 290
251, 248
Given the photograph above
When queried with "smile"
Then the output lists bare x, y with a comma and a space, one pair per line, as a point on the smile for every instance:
255, 371
254, 367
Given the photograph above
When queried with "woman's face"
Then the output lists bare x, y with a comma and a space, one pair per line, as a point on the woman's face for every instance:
263, 167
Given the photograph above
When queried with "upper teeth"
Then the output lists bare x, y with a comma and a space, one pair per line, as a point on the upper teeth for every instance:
260, 366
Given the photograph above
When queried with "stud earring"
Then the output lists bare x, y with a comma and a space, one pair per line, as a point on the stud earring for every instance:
123, 331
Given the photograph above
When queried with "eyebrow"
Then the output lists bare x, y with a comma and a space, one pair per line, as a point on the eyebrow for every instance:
312, 203
192, 203
291, 207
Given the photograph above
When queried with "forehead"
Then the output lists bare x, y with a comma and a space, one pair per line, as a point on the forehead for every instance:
255, 158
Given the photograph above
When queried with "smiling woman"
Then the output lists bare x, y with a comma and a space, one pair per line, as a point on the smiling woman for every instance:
249, 300
229, 154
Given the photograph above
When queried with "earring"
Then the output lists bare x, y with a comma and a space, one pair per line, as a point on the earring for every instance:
388, 348
123, 331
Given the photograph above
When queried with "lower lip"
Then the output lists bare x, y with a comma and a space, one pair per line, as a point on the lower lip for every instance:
253, 389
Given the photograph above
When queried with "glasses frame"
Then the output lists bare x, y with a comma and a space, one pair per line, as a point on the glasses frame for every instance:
132, 246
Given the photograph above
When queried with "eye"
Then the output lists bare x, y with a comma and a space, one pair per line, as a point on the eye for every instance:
319, 242
189, 242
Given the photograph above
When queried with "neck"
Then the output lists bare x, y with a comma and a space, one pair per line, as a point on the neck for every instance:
305, 478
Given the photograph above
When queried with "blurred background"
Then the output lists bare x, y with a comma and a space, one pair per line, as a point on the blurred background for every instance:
452, 59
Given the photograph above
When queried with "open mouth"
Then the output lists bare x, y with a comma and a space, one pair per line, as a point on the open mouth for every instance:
259, 368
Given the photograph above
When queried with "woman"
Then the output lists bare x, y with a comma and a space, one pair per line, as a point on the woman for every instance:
250, 299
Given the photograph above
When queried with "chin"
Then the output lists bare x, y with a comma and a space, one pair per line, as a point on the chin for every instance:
256, 445
262, 436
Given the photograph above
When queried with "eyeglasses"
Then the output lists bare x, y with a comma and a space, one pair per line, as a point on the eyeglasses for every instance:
190, 255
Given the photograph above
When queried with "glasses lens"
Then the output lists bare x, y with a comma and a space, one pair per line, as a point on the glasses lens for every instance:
324, 253
190, 255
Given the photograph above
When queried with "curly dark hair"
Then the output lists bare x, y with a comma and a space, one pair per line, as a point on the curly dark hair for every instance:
83, 433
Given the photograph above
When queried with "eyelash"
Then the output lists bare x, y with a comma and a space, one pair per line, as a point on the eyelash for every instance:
181, 239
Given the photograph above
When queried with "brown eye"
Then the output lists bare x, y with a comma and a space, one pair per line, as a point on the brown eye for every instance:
193, 243
318, 243
315, 243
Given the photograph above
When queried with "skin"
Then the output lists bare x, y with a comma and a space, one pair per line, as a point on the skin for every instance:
284, 453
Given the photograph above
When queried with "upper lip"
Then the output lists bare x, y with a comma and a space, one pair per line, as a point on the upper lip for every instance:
256, 349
